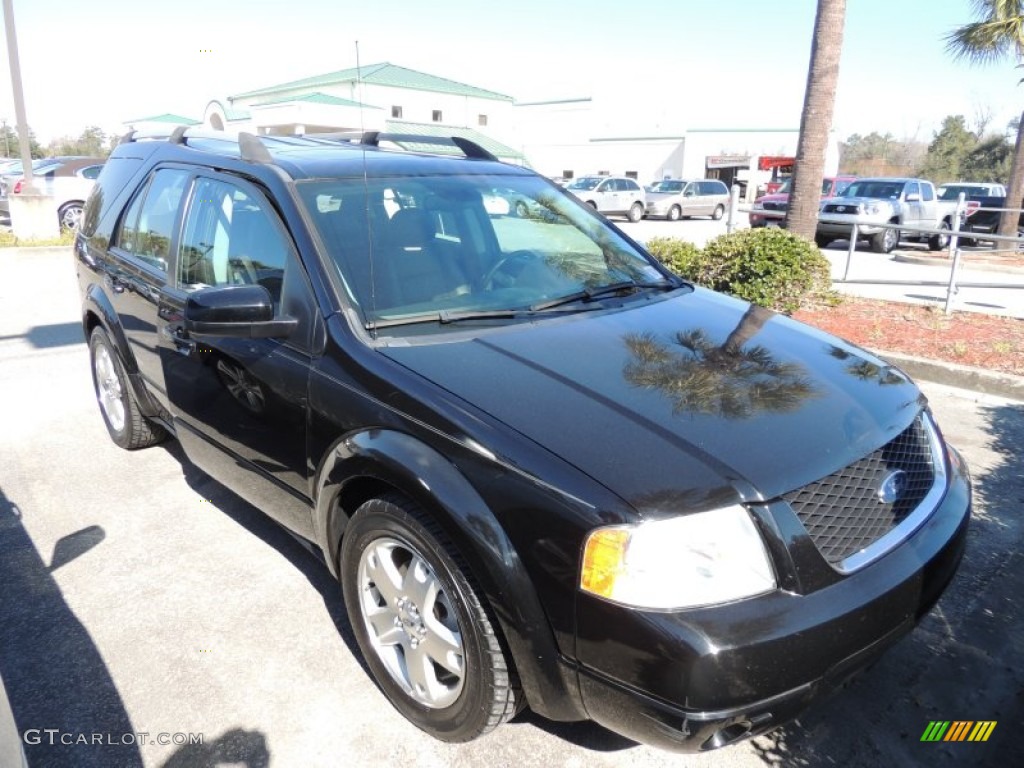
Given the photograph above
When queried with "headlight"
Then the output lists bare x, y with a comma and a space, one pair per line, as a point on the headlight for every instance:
683, 562
758, 206
872, 208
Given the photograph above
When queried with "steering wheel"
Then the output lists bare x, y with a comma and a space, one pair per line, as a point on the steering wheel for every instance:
504, 273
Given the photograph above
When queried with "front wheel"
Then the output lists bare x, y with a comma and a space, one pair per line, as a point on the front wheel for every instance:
675, 213
719, 212
636, 211
127, 426
941, 240
421, 622
885, 241
822, 241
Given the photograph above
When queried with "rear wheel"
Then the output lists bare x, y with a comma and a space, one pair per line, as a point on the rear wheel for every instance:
127, 426
70, 214
940, 241
636, 211
719, 212
421, 622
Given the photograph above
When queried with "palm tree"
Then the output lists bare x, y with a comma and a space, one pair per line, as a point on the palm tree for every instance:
816, 119
998, 33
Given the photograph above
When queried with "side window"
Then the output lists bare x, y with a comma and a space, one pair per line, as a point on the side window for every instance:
912, 188
91, 172
691, 190
927, 192
147, 227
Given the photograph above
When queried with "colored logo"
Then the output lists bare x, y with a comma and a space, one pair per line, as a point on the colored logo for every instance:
958, 730
892, 487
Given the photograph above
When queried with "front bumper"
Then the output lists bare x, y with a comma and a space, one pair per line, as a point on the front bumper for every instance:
701, 679
842, 226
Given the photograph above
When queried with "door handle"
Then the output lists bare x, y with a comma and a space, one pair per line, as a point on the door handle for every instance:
181, 343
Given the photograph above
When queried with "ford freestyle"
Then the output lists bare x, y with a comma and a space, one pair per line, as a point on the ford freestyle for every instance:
546, 472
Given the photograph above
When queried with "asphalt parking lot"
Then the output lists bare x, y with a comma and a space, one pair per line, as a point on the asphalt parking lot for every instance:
137, 595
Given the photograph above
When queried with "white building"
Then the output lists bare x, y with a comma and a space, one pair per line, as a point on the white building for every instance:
559, 138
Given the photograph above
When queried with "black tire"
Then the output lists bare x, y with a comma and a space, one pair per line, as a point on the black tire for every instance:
885, 241
636, 211
522, 210
675, 213
938, 242
70, 214
127, 426
384, 536
719, 212
822, 241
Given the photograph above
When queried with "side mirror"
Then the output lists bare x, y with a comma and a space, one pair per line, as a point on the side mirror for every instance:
238, 311
913, 197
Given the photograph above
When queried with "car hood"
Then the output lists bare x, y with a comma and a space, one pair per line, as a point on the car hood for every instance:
662, 195
777, 197
683, 401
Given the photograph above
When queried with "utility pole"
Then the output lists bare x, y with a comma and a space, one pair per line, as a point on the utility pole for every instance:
19, 97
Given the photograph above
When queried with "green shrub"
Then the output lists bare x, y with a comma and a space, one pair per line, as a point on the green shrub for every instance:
766, 266
678, 255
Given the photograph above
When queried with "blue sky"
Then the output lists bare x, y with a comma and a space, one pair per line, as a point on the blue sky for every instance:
666, 64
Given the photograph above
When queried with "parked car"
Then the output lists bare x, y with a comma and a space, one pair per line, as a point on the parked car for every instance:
874, 202
610, 195
970, 189
674, 199
12, 171
69, 183
546, 471
983, 215
770, 210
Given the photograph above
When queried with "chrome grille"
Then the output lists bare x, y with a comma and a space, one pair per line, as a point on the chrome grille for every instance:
771, 205
844, 513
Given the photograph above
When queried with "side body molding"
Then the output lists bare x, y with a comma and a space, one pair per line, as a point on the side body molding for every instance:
384, 457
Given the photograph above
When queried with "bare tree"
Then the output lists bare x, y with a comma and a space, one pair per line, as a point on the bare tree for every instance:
997, 34
816, 119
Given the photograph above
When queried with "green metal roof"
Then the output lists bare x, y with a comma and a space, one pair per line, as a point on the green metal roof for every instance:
166, 117
380, 74
234, 113
316, 98
496, 148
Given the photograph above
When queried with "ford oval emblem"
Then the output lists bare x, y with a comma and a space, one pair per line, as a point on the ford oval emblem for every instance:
892, 487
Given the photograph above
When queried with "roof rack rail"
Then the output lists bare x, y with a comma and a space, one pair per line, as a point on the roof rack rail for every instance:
469, 148
252, 149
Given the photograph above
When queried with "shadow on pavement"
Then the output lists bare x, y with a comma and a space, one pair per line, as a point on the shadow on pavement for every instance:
237, 747
55, 675
298, 553
960, 663
53, 335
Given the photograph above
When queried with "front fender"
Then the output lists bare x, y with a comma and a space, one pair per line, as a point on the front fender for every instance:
383, 457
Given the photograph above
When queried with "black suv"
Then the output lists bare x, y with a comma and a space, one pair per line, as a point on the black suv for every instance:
546, 471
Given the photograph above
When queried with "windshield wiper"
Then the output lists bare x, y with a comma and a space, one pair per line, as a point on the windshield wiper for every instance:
445, 316
590, 294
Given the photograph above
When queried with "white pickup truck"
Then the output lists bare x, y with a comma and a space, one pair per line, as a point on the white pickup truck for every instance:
872, 202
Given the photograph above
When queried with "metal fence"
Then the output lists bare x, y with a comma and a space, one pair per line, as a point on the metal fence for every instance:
953, 249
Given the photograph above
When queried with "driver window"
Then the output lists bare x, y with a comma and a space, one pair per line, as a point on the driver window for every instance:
230, 239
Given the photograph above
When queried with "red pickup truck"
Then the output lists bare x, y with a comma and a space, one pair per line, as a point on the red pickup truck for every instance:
770, 210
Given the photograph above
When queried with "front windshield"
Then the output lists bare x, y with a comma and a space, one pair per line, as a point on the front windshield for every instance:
585, 183
415, 245
876, 189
